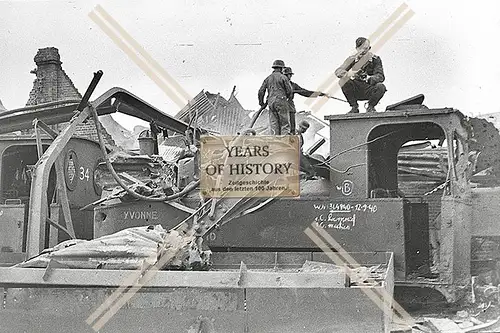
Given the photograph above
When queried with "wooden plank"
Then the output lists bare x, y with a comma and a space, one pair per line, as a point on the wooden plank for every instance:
254, 279
211, 279
53, 134
63, 197
115, 278
180, 310
57, 225
39, 147
131, 178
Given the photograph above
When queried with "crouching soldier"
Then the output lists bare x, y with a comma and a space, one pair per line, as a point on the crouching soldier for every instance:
361, 77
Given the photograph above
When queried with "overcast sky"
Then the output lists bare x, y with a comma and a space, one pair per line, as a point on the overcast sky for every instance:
447, 51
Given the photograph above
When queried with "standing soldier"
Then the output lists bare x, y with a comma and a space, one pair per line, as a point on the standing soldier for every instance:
279, 91
287, 71
361, 77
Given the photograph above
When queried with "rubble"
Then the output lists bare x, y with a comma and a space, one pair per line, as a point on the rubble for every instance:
486, 139
319, 267
485, 314
127, 249
358, 276
151, 176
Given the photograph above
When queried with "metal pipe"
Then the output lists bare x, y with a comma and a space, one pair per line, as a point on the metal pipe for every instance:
163, 198
38, 123
257, 114
315, 146
90, 90
338, 99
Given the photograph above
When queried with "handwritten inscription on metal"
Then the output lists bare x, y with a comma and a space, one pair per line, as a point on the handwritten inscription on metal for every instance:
347, 187
341, 216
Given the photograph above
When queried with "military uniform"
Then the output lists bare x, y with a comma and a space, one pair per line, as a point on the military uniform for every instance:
279, 92
296, 89
305, 165
366, 84
302, 92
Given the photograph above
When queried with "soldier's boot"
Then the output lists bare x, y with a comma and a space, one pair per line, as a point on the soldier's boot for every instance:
354, 109
370, 108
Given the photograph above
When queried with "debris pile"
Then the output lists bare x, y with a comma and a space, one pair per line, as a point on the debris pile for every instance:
486, 140
367, 276
151, 176
482, 316
424, 161
127, 249
371, 276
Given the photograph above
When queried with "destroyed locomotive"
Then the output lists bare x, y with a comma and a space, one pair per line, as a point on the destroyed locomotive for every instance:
369, 197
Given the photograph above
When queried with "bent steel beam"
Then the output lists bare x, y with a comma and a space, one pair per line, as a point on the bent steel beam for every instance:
38, 197
38, 212
114, 100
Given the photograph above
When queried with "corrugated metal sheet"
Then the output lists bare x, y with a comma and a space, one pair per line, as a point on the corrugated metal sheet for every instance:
215, 113
171, 154
230, 117
427, 163
199, 104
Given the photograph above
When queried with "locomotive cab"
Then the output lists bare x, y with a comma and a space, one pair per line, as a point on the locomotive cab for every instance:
424, 191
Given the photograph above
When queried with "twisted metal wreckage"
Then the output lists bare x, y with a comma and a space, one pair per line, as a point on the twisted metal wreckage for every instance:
242, 264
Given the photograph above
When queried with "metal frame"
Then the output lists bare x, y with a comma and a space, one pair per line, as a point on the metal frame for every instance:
38, 212
62, 194
114, 100
60, 277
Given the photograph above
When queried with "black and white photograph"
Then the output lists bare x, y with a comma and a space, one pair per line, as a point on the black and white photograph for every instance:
211, 166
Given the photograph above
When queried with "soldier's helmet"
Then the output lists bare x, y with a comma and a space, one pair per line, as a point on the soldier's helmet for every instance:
278, 64
250, 131
360, 41
304, 125
287, 70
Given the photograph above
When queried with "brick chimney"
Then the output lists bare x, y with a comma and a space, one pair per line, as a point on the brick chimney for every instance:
52, 83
